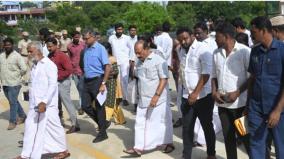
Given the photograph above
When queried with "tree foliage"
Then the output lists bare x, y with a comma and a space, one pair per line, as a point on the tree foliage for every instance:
228, 9
32, 26
28, 4
183, 13
145, 16
68, 16
104, 14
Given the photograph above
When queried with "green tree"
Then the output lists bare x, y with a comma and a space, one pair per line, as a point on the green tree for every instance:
32, 26
182, 12
104, 15
28, 4
6, 30
228, 9
145, 16
68, 16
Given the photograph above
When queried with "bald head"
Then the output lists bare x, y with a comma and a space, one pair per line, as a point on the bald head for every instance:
141, 50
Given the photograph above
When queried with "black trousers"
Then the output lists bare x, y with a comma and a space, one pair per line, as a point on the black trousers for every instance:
60, 107
227, 117
89, 95
203, 109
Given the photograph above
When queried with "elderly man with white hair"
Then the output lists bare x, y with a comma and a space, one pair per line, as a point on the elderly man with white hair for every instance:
44, 133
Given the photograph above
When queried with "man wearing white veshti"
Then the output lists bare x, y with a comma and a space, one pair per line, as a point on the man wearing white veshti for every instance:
153, 109
44, 133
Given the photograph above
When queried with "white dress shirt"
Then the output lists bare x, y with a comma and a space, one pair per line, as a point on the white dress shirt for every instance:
131, 44
120, 48
249, 38
231, 72
166, 43
199, 62
45, 51
43, 87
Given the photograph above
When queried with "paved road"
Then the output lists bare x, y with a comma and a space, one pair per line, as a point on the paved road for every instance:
80, 144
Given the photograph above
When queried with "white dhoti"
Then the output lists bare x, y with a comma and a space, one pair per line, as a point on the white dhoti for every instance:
124, 75
43, 134
198, 131
153, 127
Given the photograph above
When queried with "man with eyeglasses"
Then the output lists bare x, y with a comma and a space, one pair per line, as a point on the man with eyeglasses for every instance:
95, 64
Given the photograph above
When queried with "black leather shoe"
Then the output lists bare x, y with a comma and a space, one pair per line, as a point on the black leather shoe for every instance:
108, 123
178, 123
81, 112
125, 103
73, 129
100, 137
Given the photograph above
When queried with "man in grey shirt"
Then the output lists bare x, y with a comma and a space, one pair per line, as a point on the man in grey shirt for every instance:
153, 109
12, 68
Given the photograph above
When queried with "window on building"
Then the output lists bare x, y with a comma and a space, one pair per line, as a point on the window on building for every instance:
13, 17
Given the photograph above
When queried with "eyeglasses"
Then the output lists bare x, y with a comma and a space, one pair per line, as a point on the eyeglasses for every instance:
87, 38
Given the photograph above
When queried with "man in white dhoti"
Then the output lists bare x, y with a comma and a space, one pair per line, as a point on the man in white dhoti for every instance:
44, 133
121, 50
153, 125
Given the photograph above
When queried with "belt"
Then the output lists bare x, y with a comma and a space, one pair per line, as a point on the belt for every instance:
93, 78
24, 55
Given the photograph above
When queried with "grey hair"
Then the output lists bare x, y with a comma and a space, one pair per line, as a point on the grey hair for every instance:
37, 45
90, 32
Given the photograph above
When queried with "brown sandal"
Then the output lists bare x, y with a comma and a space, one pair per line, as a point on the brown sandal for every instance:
133, 152
62, 155
169, 148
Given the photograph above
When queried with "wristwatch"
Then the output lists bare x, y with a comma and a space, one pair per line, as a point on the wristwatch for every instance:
157, 94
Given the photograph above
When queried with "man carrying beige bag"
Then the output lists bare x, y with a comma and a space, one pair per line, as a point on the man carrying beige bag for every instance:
229, 82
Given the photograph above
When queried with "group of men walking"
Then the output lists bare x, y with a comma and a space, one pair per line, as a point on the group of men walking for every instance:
222, 71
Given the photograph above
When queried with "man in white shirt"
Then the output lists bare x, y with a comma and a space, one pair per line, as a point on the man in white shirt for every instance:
199, 102
132, 40
229, 83
166, 43
239, 25
43, 131
153, 124
185, 38
44, 34
158, 31
120, 48
131, 43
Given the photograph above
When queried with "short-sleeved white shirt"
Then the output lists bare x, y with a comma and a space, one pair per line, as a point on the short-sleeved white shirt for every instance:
198, 62
120, 48
231, 72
